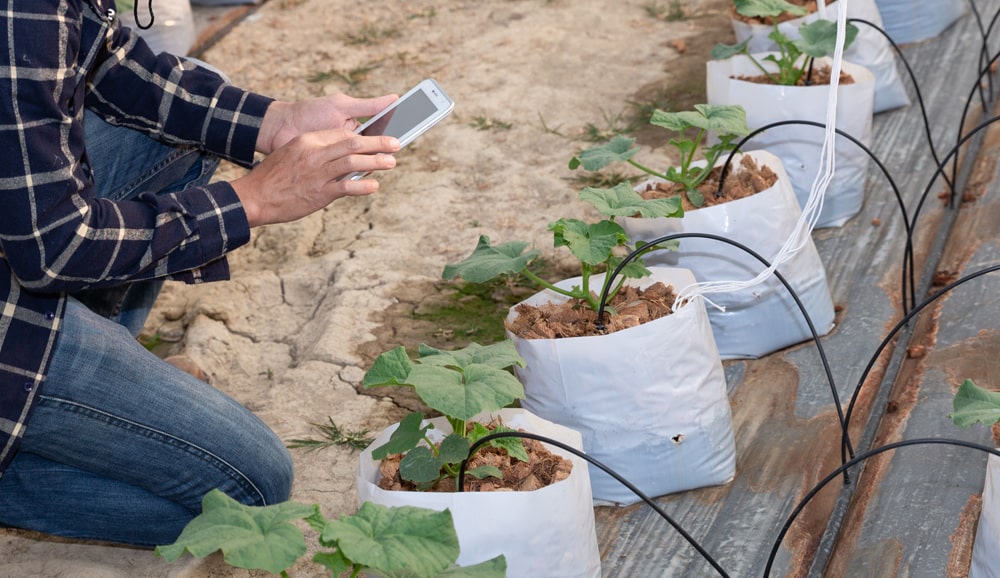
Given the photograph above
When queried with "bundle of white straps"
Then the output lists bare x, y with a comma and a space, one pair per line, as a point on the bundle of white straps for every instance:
814, 205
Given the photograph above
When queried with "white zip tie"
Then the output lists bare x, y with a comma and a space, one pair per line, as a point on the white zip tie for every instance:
802, 232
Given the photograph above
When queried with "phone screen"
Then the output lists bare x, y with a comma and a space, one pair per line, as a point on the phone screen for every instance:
403, 118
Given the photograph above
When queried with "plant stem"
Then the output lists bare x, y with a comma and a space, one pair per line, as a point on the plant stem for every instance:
548, 285
767, 73
648, 170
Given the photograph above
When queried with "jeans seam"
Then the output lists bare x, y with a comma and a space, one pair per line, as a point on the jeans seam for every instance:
165, 438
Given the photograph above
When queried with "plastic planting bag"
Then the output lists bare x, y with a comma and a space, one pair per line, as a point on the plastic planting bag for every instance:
986, 550
545, 532
650, 400
915, 20
765, 318
870, 48
799, 146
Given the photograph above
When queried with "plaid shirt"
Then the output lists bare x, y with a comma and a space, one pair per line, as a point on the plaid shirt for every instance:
55, 237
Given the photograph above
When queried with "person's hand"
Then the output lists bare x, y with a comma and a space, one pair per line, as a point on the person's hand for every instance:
300, 176
284, 121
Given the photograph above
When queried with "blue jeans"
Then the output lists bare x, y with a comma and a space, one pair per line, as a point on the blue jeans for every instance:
122, 446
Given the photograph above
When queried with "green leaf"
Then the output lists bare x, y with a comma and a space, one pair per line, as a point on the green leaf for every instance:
334, 562
250, 537
488, 262
481, 388
387, 539
635, 269
623, 201
390, 368
483, 472
974, 404
421, 466
819, 38
514, 446
407, 435
722, 119
454, 448
500, 355
725, 51
590, 243
493, 568
768, 8
697, 199
619, 149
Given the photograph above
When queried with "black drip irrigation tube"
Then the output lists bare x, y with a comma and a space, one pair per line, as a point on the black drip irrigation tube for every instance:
907, 273
903, 322
984, 50
965, 113
650, 246
953, 152
916, 89
853, 462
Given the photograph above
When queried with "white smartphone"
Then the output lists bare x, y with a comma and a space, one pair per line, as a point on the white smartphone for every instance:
423, 106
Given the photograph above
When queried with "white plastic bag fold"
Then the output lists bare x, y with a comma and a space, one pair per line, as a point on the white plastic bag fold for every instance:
765, 318
650, 401
546, 532
870, 49
799, 146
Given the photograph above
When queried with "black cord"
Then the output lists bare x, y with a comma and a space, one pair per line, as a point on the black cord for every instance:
135, 14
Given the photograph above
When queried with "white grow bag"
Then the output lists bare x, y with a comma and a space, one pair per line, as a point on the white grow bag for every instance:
765, 318
915, 20
545, 532
986, 550
870, 49
650, 401
799, 146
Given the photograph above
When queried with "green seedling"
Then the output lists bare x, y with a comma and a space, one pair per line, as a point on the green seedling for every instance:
728, 122
794, 58
377, 541
974, 404
598, 246
460, 384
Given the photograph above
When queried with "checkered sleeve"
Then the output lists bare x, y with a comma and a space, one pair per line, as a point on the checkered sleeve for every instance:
54, 234
174, 99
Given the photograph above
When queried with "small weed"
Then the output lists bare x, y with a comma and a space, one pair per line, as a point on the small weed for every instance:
370, 34
476, 314
602, 179
672, 12
613, 125
352, 77
150, 343
333, 435
489, 123
546, 128
428, 13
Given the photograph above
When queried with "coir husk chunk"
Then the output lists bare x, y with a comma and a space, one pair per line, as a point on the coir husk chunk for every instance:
631, 307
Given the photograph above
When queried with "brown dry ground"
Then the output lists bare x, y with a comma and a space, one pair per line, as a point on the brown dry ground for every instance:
310, 303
